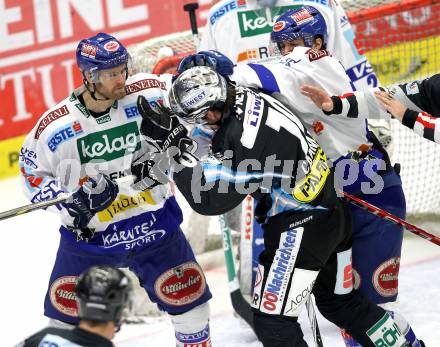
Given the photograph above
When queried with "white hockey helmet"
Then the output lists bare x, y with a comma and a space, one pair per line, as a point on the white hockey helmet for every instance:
197, 90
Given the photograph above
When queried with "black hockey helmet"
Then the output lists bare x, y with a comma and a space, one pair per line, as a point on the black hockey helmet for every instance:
103, 293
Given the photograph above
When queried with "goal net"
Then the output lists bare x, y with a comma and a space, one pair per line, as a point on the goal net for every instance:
402, 41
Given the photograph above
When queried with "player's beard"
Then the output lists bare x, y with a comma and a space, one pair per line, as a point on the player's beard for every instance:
116, 93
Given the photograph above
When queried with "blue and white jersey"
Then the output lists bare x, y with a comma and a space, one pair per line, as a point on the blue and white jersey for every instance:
241, 29
68, 144
283, 80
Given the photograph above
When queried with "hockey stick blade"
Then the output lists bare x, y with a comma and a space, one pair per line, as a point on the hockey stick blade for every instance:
239, 303
391, 218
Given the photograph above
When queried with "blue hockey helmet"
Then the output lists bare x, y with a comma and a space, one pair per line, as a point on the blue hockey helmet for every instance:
100, 52
304, 22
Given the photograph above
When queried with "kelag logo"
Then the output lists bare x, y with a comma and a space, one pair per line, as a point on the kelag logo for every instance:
109, 144
255, 22
63, 134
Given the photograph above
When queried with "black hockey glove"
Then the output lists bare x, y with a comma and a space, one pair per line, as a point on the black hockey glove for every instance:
163, 130
95, 195
216, 60
150, 171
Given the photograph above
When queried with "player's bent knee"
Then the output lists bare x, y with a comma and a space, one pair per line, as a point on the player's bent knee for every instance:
192, 327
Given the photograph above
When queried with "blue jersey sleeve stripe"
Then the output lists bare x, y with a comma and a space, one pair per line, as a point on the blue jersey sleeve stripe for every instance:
267, 79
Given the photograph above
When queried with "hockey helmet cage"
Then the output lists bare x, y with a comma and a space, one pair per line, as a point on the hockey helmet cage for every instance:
303, 22
195, 91
104, 294
100, 52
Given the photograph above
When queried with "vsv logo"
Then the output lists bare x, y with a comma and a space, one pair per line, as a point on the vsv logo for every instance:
109, 144
63, 134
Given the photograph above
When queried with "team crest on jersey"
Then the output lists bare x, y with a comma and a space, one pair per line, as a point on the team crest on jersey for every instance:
181, 285
62, 295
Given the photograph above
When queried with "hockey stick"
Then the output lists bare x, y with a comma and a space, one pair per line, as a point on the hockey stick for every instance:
392, 218
47, 203
33, 207
314, 322
239, 303
191, 9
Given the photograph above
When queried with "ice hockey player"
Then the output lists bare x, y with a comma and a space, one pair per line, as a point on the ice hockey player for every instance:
415, 104
81, 145
361, 163
261, 148
103, 294
241, 30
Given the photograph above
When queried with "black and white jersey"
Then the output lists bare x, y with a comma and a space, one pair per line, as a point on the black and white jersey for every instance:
65, 338
260, 147
422, 98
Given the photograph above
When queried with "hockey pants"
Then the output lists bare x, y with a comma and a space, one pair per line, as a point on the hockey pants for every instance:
313, 257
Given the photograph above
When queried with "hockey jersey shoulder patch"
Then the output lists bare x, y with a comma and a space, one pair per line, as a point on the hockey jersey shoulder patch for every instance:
144, 81
49, 118
317, 54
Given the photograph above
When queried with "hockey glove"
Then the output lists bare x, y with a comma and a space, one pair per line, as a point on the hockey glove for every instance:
95, 195
216, 60
150, 172
163, 130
